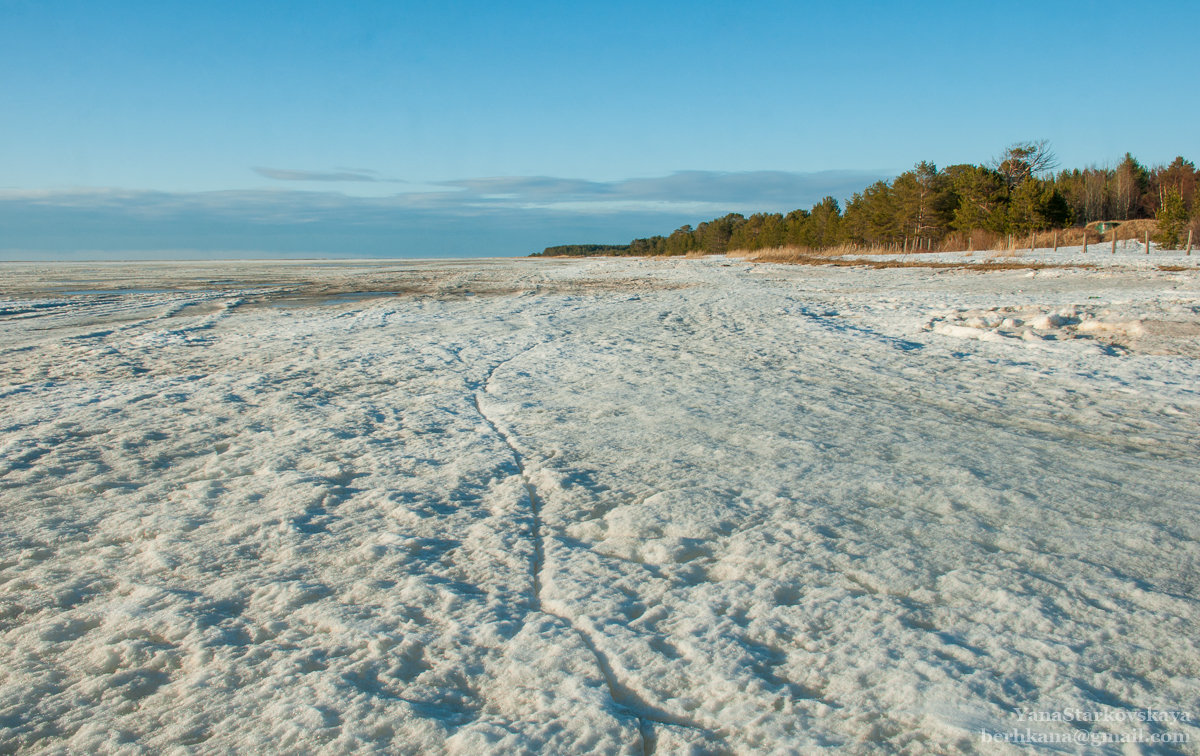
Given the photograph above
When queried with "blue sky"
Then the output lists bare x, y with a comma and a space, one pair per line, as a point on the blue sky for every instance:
472, 128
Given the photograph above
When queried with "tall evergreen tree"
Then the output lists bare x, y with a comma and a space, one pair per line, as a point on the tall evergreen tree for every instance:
680, 242
1172, 219
980, 198
796, 228
1036, 205
760, 231
713, 236
871, 216
919, 202
824, 224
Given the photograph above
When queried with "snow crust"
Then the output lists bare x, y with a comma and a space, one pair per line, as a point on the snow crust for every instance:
619, 506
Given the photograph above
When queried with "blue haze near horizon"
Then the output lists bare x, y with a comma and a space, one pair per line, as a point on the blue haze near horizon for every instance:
143, 129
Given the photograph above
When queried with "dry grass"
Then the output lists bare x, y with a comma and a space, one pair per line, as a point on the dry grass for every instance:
1012, 245
998, 251
1137, 229
1130, 229
995, 245
1061, 237
977, 240
799, 256
791, 254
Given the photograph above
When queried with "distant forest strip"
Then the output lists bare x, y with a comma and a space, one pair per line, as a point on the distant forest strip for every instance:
960, 207
585, 250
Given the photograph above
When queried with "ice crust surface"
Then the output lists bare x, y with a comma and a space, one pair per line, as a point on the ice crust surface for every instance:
592, 506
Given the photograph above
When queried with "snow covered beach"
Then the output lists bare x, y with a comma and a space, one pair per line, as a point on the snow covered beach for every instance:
577, 506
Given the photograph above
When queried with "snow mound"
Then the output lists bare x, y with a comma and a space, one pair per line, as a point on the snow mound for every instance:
1173, 329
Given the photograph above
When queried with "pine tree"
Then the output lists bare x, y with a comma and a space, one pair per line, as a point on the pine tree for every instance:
1035, 206
713, 236
824, 224
979, 198
681, 241
1172, 219
1025, 160
797, 232
760, 231
879, 208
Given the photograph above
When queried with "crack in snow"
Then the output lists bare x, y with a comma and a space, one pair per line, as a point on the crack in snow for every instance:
622, 695
535, 509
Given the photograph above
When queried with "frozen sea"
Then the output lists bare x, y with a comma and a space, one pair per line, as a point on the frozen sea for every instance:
599, 506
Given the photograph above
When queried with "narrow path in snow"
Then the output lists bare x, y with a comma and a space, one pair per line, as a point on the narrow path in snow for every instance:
624, 696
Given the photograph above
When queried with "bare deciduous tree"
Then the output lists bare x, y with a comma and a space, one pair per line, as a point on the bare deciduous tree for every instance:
1095, 194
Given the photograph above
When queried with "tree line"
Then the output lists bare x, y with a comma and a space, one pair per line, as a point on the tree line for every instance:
958, 207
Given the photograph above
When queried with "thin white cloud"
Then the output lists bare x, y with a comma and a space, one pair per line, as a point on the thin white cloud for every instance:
352, 175
749, 190
498, 215
684, 192
614, 206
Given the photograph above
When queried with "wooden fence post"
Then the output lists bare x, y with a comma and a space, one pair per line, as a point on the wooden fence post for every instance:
1147, 242
1056, 241
1085, 240
1114, 241
1189, 242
